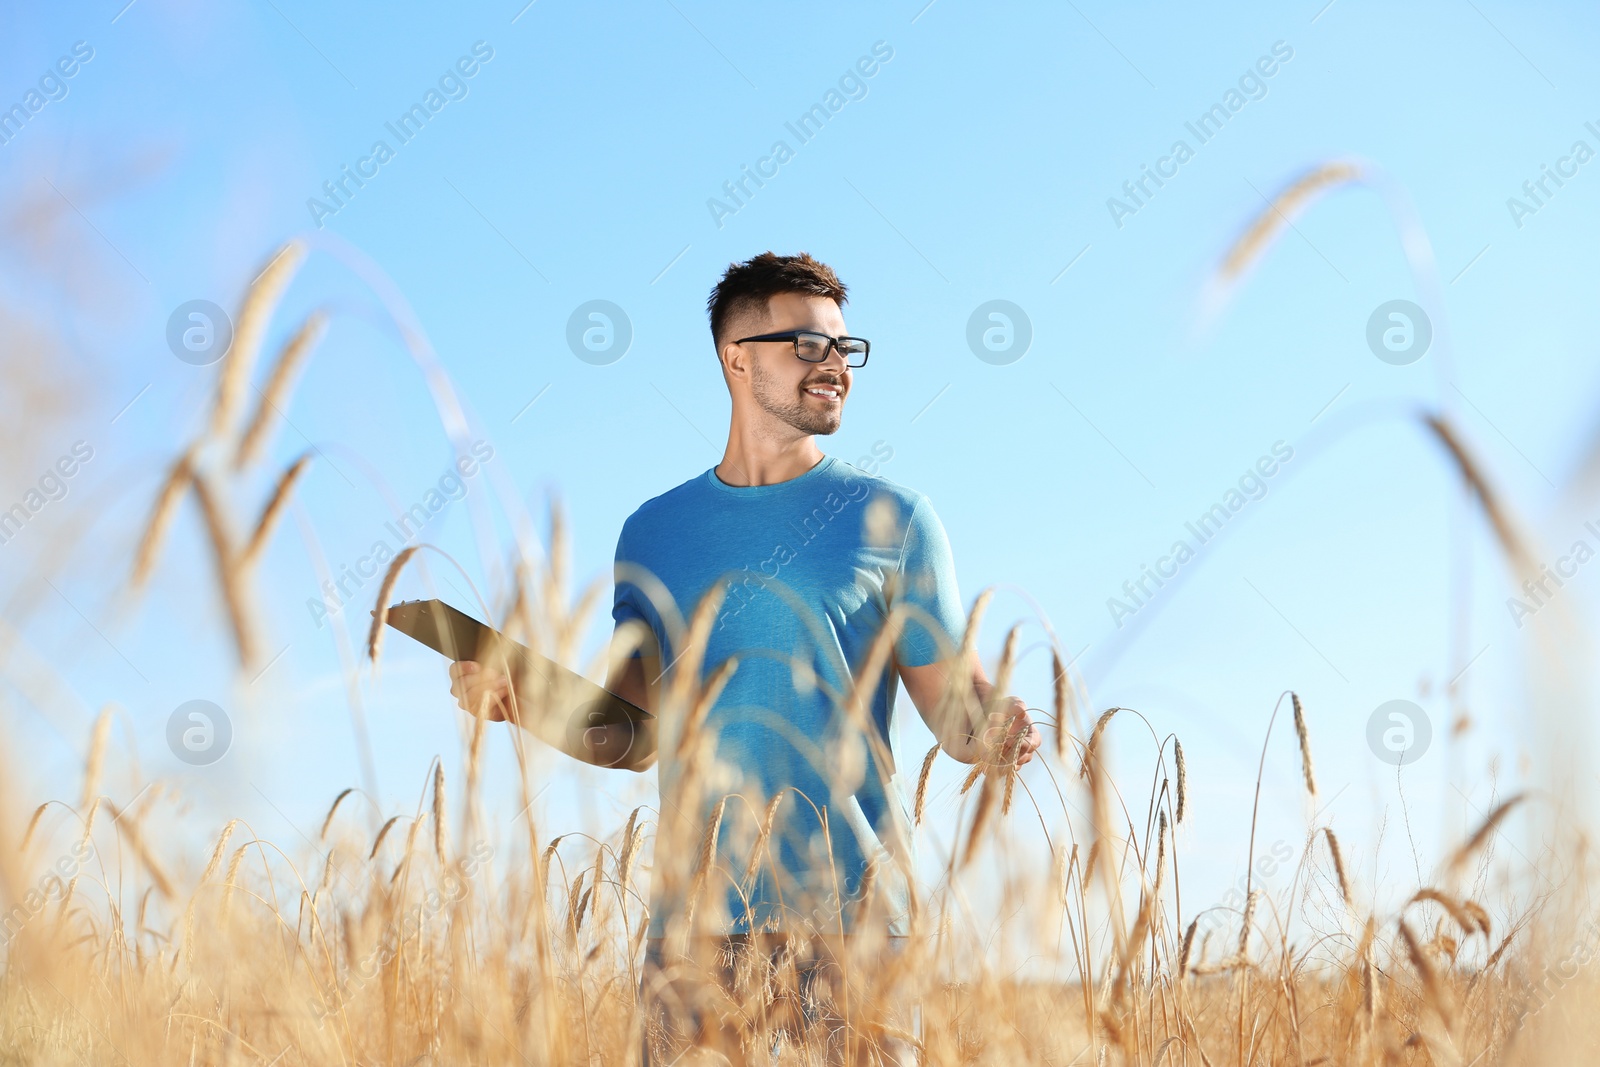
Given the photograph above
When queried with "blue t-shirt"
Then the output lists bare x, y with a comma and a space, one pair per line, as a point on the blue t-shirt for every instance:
809, 565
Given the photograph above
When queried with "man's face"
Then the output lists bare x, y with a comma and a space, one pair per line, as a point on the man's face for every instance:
788, 388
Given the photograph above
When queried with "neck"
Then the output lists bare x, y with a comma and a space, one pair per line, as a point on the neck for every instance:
755, 458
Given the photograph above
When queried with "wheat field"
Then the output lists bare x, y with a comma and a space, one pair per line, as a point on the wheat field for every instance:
436, 938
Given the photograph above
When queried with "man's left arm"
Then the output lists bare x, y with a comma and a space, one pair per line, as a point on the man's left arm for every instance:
977, 725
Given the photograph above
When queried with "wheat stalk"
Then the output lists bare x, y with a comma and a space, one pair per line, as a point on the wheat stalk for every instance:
1249, 917
217, 852
229, 577
1277, 215
1305, 744
575, 910
922, 784
1183, 782
95, 762
1437, 996
259, 303
1090, 749
381, 616
702, 705
230, 880
438, 814
704, 861
327, 821
1470, 917
130, 830
631, 836
178, 479
383, 832
274, 397
1464, 853
1061, 701
271, 513
1500, 520
980, 817
33, 822
1338, 863
958, 701
1186, 948
768, 820
1161, 852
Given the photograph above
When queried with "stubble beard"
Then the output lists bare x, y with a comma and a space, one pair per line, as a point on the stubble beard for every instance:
786, 404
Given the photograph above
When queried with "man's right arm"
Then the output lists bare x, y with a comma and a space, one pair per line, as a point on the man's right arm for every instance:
632, 746
483, 690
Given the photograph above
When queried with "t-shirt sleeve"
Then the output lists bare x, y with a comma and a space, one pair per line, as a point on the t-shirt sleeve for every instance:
627, 600
927, 580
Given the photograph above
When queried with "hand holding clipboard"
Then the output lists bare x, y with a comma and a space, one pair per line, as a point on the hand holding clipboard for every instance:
572, 705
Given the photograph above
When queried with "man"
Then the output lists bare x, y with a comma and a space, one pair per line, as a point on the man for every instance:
813, 554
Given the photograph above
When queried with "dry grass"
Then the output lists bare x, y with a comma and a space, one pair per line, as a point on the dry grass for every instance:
472, 953
491, 947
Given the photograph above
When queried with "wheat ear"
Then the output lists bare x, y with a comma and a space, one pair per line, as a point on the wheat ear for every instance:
271, 513
275, 396
259, 303
390, 577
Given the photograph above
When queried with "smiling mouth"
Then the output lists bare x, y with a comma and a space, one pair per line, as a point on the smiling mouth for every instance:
829, 393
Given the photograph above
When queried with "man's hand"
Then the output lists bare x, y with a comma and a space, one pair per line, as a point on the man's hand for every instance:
1011, 738
480, 690
487, 692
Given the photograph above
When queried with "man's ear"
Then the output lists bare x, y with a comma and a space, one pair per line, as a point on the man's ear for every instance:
735, 361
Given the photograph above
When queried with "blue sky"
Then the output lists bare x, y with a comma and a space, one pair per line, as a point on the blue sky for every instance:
579, 162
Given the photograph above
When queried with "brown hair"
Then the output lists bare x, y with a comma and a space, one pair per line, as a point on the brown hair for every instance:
746, 287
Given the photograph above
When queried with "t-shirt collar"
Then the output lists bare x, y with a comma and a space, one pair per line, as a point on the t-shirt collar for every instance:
776, 487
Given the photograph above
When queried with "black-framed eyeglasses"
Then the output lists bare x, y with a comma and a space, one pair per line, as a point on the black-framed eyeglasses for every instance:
814, 347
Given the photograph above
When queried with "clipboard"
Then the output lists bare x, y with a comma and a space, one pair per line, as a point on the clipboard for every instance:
459, 636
